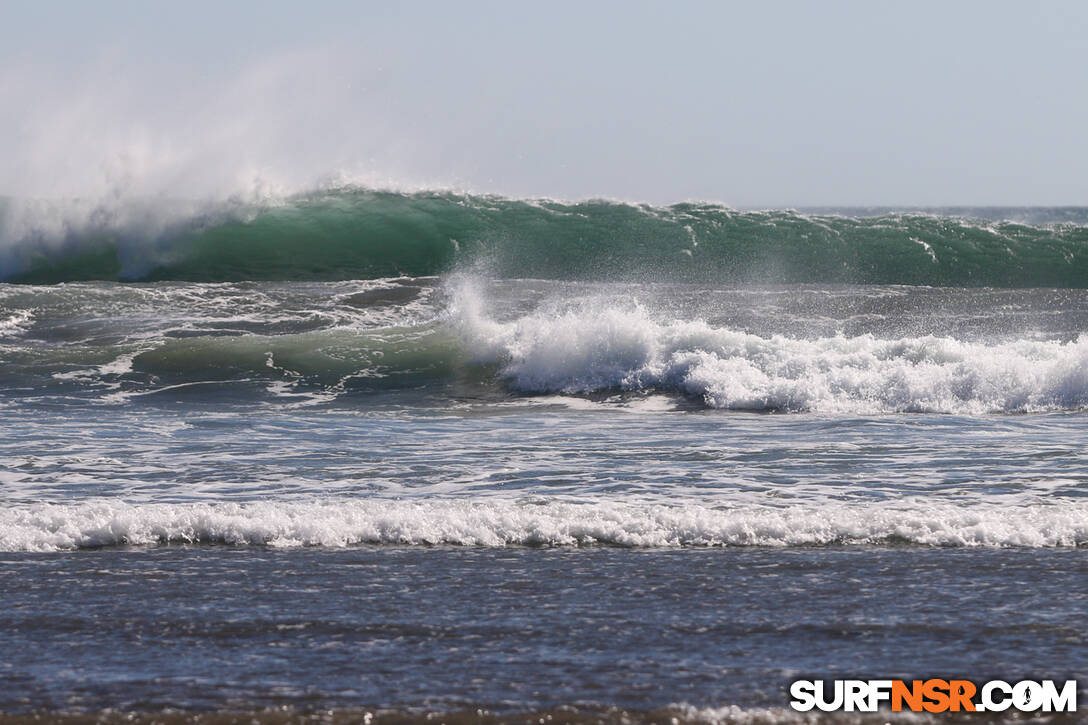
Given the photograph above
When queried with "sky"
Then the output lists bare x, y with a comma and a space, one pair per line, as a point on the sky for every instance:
764, 104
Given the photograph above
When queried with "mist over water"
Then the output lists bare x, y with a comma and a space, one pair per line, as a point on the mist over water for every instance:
111, 163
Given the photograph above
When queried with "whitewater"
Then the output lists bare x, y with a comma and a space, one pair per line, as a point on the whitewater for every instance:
536, 523
404, 451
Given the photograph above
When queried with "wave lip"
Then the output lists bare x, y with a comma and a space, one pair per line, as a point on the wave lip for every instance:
353, 233
500, 523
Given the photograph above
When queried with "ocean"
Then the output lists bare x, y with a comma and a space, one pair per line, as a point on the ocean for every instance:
379, 456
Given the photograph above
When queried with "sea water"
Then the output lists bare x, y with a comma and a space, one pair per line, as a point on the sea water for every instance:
372, 452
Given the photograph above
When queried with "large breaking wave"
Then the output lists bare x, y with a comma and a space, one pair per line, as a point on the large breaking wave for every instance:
358, 233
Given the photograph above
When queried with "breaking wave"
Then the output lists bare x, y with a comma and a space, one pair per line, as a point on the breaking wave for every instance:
603, 346
343, 523
599, 347
588, 347
358, 233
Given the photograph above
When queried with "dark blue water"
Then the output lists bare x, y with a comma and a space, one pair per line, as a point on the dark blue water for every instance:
461, 628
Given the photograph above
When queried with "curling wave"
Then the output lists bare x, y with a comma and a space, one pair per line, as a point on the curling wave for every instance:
358, 233
342, 523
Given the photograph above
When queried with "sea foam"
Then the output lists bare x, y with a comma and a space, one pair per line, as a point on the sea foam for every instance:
589, 346
497, 523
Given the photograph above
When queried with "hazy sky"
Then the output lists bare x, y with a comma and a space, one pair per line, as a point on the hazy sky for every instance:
754, 103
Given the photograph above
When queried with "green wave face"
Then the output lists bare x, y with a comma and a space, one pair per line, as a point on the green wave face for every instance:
360, 234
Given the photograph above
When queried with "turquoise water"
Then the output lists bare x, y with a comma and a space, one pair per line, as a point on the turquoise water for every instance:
357, 233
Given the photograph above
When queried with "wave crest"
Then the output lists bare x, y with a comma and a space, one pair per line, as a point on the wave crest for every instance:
342, 523
355, 233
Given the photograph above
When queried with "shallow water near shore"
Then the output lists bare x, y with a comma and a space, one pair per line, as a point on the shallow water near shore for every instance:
449, 629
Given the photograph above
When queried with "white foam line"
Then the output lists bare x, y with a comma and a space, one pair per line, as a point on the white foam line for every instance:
489, 523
